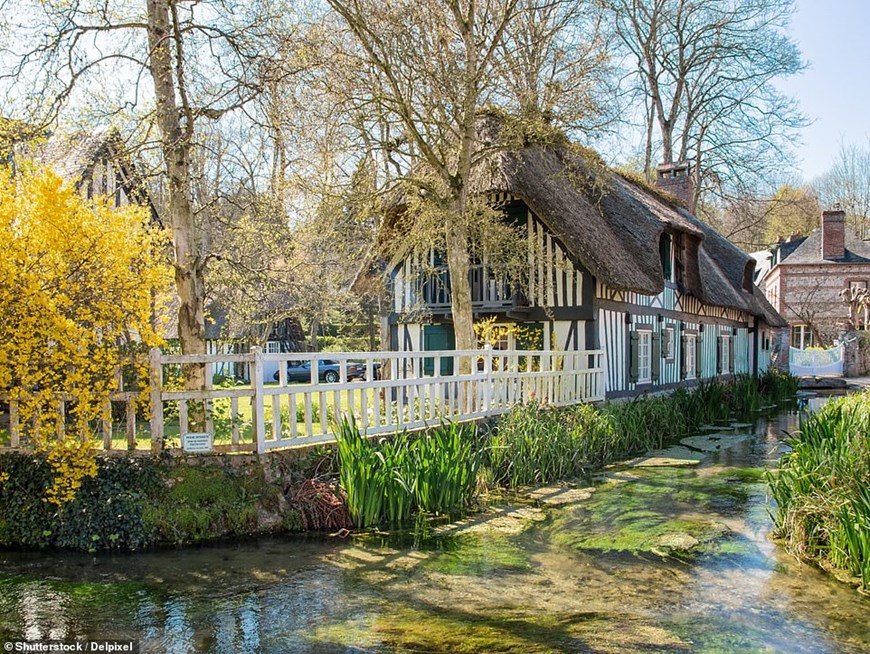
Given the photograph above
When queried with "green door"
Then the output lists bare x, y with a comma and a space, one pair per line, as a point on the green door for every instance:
438, 337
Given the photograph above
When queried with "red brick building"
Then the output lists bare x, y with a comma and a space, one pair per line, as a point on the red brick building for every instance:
807, 274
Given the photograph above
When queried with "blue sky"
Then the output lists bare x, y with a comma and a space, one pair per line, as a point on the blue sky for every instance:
834, 35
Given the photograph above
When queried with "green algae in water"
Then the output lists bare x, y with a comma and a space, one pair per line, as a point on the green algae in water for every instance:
479, 554
658, 512
400, 628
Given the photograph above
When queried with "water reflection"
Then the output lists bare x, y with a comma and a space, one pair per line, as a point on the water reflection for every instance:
517, 591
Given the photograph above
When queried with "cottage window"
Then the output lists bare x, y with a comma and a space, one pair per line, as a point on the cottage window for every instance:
668, 343
724, 354
689, 362
644, 357
273, 347
666, 255
853, 286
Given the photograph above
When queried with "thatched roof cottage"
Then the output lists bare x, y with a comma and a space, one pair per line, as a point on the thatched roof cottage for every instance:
613, 265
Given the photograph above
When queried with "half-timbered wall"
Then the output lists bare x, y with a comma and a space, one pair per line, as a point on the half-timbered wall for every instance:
720, 337
421, 282
105, 179
670, 299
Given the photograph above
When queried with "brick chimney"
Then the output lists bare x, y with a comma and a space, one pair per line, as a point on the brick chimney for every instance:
676, 179
834, 234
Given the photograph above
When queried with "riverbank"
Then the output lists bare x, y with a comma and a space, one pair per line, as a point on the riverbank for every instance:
822, 490
570, 567
136, 503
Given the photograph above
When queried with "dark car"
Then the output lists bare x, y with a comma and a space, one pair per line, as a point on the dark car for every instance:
327, 371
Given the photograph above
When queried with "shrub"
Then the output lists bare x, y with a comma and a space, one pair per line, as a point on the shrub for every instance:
106, 513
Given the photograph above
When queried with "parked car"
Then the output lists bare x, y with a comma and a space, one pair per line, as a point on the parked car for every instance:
328, 371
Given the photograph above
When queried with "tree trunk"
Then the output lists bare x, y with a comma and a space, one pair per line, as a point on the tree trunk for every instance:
667, 141
459, 265
647, 160
176, 155
313, 329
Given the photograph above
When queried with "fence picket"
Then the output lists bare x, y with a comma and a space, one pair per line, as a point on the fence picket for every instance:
407, 394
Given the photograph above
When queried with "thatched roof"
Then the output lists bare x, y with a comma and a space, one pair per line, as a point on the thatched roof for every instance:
73, 157
611, 225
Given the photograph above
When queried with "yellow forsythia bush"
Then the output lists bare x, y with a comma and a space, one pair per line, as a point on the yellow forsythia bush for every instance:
78, 284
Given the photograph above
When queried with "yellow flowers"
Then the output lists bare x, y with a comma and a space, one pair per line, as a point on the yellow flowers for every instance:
78, 285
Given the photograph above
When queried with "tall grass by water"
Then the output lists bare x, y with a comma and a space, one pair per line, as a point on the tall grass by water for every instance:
389, 480
822, 488
538, 444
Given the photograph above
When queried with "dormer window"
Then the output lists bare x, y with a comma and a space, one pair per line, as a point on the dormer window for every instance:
749, 276
666, 253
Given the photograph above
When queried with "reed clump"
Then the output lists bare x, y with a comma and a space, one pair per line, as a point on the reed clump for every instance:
822, 488
389, 480
539, 444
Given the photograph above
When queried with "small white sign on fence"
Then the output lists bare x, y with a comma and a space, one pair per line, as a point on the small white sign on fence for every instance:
197, 442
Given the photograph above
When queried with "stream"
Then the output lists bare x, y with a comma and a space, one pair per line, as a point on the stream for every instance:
668, 553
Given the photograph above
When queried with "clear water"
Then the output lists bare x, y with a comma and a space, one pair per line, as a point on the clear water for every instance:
569, 582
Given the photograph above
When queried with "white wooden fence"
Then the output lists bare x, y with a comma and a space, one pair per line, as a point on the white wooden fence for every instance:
399, 390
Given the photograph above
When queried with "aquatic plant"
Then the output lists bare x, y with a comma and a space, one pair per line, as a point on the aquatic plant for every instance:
445, 468
538, 444
533, 445
821, 488
386, 481
360, 472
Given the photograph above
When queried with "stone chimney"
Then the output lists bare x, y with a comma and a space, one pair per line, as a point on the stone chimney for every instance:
834, 234
676, 179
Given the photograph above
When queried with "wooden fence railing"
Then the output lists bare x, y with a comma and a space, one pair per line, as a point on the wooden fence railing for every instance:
384, 392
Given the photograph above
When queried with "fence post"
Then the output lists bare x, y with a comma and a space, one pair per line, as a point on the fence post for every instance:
258, 401
155, 380
487, 384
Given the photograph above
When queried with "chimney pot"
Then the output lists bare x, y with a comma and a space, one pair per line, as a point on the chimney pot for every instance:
676, 179
834, 234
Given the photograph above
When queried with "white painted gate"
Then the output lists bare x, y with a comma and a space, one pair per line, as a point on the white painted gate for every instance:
816, 363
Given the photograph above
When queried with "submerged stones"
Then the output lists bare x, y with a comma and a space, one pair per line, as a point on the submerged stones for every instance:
714, 442
560, 495
676, 456
674, 542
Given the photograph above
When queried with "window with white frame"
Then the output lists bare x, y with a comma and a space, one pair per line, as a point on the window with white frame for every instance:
668, 348
273, 347
689, 354
725, 354
644, 356
801, 337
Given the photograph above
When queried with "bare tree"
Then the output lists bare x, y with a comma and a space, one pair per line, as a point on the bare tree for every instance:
858, 301
847, 183
706, 68
200, 59
428, 68
810, 307
555, 65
